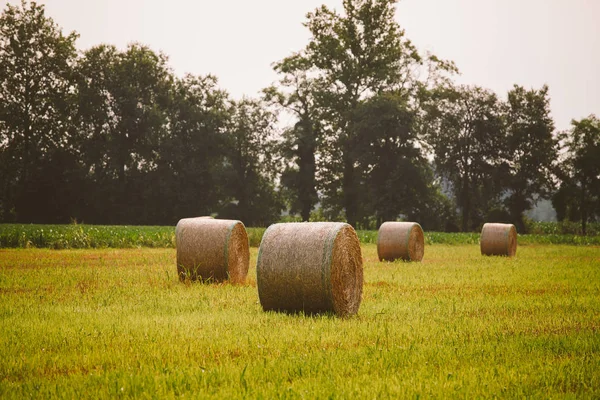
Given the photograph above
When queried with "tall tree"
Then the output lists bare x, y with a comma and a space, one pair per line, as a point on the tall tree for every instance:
465, 130
122, 111
192, 155
297, 94
36, 93
394, 172
351, 57
253, 164
532, 150
356, 54
580, 187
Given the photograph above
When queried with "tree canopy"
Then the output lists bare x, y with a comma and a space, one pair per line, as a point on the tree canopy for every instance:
360, 126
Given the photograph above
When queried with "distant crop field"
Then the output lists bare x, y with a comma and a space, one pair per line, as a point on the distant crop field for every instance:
117, 323
105, 236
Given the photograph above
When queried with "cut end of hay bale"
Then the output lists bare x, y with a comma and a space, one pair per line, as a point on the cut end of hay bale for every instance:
212, 250
498, 240
313, 267
400, 240
346, 272
238, 253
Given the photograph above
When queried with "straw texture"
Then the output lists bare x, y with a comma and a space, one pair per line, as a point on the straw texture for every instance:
310, 266
498, 240
400, 240
212, 250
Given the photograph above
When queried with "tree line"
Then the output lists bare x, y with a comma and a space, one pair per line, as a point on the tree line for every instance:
379, 131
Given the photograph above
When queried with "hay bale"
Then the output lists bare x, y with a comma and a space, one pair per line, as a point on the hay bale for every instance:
498, 240
310, 266
212, 249
400, 240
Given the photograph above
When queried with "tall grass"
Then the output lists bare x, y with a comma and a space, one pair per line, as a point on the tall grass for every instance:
118, 324
562, 228
98, 236
85, 236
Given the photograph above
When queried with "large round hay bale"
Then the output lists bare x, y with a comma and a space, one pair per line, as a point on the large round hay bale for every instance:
310, 266
400, 240
212, 250
498, 240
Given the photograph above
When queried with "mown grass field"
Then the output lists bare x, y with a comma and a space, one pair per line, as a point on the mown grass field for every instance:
117, 323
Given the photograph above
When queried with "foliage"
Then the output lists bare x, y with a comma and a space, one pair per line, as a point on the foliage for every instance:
78, 236
123, 98
378, 131
465, 130
118, 323
435, 212
191, 168
390, 167
532, 150
579, 195
353, 56
564, 227
36, 109
252, 164
297, 94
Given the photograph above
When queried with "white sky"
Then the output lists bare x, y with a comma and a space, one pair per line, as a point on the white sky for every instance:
495, 43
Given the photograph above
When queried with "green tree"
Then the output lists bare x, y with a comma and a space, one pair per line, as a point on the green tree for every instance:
191, 160
356, 54
351, 57
532, 150
466, 132
36, 105
123, 102
252, 164
297, 94
579, 193
394, 172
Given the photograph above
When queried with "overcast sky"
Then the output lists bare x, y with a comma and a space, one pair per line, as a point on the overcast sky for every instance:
495, 43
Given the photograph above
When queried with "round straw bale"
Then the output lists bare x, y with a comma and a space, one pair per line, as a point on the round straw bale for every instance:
498, 240
400, 240
310, 266
212, 249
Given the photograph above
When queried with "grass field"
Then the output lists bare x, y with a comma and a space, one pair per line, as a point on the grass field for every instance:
118, 323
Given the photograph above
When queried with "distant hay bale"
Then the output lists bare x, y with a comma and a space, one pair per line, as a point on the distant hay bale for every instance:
498, 240
212, 249
310, 266
400, 240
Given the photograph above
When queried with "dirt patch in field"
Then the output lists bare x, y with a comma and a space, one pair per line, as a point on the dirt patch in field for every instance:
15, 290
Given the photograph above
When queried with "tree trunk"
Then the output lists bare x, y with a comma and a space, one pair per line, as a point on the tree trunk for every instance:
349, 186
305, 212
466, 204
517, 208
307, 169
583, 208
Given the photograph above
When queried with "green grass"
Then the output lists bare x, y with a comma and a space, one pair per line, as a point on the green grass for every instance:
118, 324
99, 236
85, 236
